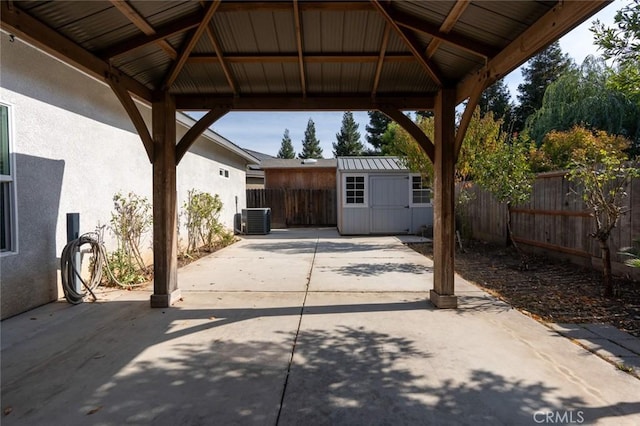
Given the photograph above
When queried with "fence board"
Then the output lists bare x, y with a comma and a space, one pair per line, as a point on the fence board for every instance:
555, 219
296, 207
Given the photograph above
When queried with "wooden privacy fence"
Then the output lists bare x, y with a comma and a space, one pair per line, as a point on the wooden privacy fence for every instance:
296, 207
555, 220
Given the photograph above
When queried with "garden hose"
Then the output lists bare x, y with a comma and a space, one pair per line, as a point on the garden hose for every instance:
69, 269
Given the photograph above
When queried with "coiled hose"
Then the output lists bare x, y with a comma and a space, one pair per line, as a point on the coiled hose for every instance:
69, 269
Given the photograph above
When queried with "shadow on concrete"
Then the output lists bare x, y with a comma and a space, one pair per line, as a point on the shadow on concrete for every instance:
124, 363
375, 269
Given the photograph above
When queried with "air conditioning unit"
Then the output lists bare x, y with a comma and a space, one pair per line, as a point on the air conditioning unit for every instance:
256, 221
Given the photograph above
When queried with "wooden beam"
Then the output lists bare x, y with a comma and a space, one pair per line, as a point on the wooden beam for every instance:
177, 66
296, 18
447, 25
24, 26
413, 129
196, 130
442, 295
554, 24
381, 55
467, 115
431, 69
134, 114
167, 30
467, 44
221, 59
308, 103
138, 20
165, 240
275, 58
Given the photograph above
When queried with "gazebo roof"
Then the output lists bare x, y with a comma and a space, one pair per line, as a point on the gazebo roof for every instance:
259, 55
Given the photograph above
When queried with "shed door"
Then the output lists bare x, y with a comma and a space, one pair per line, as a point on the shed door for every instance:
389, 203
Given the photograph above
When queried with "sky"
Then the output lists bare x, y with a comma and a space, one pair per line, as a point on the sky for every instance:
263, 131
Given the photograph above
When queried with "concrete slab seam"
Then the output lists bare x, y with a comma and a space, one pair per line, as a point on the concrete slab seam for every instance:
295, 340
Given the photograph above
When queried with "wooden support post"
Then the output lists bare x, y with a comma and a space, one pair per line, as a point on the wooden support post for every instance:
165, 241
442, 295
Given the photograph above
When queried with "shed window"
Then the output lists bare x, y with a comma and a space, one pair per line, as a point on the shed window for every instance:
420, 192
7, 200
355, 190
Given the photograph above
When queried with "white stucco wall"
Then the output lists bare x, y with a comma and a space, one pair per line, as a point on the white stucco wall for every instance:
74, 148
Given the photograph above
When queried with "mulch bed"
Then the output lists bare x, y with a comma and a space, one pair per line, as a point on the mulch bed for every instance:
546, 289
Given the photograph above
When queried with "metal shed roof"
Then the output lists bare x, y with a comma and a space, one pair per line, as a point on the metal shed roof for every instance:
371, 164
296, 163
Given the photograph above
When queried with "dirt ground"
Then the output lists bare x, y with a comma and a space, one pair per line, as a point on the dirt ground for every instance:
548, 290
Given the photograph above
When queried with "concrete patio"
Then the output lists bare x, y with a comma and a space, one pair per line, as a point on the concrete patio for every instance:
304, 327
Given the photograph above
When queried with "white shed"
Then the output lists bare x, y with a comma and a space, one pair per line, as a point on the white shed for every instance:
379, 195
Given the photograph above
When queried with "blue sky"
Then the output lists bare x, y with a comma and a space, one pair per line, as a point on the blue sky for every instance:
262, 131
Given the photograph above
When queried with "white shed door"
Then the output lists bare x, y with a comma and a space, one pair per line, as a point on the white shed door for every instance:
389, 204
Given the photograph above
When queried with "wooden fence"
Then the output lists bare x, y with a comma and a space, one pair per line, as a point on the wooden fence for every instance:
555, 221
296, 207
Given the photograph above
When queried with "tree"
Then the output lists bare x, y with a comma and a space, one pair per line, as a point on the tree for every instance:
398, 142
582, 97
497, 100
286, 147
310, 144
541, 70
603, 179
560, 150
348, 140
378, 123
504, 171
622, 45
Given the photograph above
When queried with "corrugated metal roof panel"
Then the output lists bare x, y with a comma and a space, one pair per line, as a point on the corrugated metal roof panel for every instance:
404, 78
209, 77
455, 63
370, 164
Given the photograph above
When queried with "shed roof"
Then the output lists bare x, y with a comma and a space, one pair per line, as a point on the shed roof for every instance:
371, 164
297, 163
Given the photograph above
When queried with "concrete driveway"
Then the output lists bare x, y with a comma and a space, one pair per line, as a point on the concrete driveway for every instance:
303, 327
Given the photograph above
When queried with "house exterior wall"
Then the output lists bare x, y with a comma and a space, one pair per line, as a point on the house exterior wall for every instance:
73, 148
310, 178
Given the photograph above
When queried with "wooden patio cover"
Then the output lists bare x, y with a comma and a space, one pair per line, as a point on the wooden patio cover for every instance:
221, 56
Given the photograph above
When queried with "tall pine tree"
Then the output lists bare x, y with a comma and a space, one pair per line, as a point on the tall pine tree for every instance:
348, 140
310, 144
497, 99
378, 123
541, 70
286, 147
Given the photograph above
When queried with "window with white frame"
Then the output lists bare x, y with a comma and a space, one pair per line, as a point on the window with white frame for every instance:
420, 191
7, 202
355, 190
224, 173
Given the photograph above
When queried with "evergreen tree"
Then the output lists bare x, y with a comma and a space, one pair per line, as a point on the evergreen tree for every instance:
348, 140
378, 123
497, 99
541, 70
310, 144
286, 148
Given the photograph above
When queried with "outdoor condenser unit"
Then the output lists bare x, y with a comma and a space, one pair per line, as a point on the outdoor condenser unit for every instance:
256, 221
